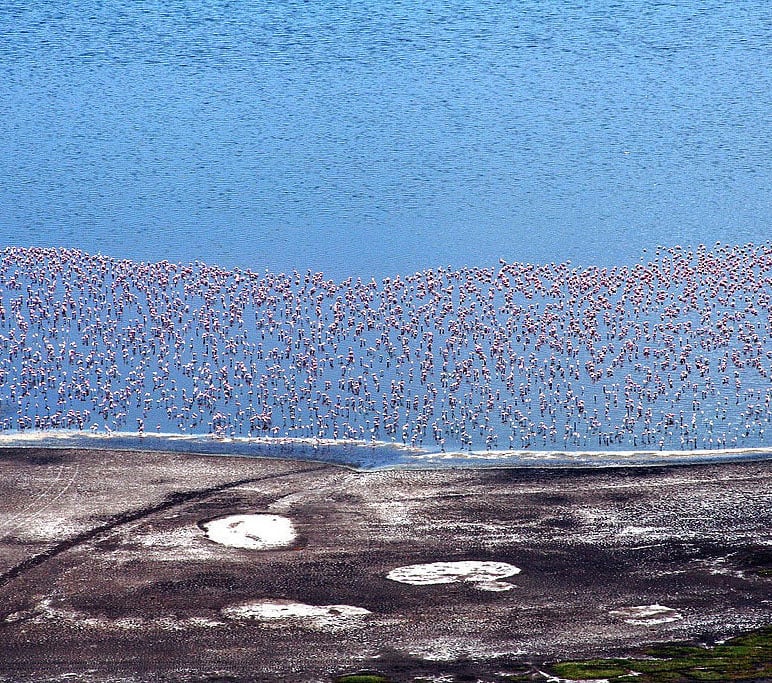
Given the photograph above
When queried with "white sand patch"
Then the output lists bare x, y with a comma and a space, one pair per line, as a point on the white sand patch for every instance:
287, 613
483, 574
646, 615
254, 532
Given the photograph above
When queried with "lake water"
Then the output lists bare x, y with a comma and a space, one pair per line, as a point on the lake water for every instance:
375, 138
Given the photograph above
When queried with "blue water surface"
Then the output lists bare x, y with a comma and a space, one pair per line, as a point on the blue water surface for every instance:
374, 138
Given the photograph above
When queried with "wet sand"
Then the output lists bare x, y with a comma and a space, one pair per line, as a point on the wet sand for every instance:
107, 570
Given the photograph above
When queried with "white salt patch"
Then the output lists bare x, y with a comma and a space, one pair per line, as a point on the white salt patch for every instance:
470, 571
46, 528
172, 546
452, 649
254, 532
45, 610
393, 513
646, 615
489, 535
493, 586
640, 531
172, 623
283, 504
285, 612
203, 622
174, 538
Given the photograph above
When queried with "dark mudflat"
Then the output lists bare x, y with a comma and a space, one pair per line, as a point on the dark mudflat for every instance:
107, 573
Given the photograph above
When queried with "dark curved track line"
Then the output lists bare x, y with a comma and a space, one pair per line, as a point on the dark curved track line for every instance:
170, 501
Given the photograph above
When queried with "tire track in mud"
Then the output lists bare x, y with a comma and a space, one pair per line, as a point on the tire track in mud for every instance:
13, 521
30, 512
170, 501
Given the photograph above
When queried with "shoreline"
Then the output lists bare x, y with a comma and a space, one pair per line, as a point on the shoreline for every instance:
364, 456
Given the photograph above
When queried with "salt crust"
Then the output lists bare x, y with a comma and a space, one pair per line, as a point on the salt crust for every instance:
172, 546
482, 574
45, 610
646, 615
443, 649
253, 532
286, 612
493, 586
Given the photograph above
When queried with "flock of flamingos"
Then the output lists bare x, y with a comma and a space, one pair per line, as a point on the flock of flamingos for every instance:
671, 353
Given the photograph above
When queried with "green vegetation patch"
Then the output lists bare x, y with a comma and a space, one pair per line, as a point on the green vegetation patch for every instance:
594, 668
745, 658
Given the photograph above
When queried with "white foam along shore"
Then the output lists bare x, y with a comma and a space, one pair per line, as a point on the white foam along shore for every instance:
484, 575
23, 437
205, 444
345, 451
554, 454
253, 532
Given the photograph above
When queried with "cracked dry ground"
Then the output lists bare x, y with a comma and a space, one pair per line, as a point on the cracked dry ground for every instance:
106, 571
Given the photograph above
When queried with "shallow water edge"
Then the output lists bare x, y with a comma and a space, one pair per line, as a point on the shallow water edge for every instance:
369, 455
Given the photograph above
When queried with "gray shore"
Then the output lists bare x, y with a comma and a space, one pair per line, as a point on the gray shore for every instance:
107, 572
